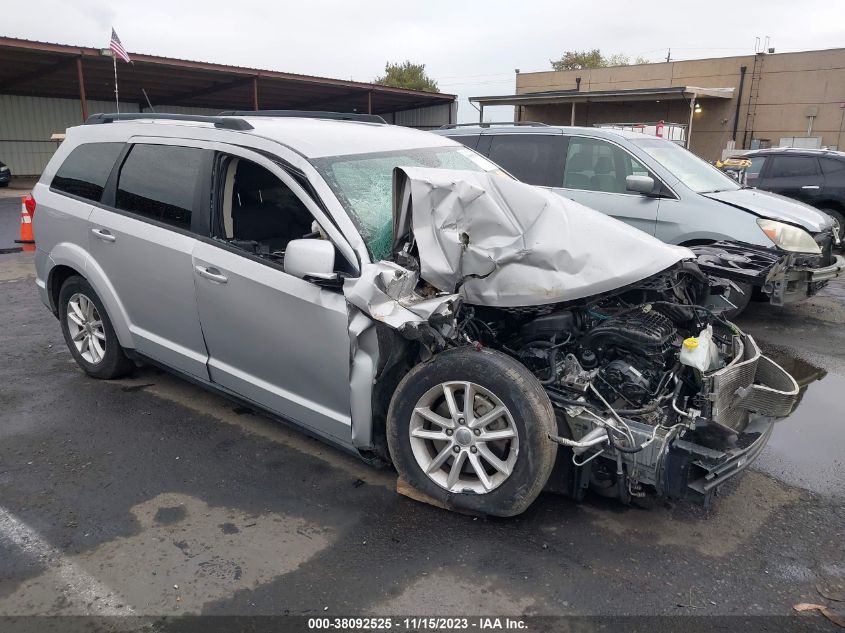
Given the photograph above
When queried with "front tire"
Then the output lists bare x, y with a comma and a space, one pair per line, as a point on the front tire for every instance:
471, 429
88, 331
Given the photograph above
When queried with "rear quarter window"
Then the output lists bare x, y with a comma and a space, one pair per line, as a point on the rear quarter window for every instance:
86, 169
833, 169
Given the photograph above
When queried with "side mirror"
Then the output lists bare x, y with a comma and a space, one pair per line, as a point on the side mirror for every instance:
310, 258
640, 184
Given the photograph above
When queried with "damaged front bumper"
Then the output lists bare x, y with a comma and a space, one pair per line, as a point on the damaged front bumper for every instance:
784, 278
736, 413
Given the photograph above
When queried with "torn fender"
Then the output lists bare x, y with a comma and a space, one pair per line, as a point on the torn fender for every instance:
499, 242
387, 293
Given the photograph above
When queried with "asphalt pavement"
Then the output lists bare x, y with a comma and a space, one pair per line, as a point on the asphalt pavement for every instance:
151, 496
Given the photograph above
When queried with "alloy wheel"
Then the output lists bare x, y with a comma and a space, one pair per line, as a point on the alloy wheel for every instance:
86, 328
464, 437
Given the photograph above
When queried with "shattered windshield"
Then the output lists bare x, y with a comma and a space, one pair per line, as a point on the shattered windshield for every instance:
364, 185
695, 173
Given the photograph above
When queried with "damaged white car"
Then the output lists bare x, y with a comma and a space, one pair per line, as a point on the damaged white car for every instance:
392, 292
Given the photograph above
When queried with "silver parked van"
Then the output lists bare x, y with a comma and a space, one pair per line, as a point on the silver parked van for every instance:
782, 248
396, 294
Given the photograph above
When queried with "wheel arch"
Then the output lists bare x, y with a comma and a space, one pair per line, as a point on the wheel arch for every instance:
68, 260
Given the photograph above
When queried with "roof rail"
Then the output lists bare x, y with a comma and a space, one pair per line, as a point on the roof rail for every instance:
450, 126
308, 114
218, 121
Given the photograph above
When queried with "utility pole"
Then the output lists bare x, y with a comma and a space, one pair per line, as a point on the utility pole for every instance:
669, 55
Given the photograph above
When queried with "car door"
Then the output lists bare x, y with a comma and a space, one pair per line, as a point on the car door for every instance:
272, 338
142, 238
594, 174
794, 176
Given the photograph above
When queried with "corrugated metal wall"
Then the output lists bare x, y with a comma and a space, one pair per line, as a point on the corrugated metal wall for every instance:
26, 124
429, 118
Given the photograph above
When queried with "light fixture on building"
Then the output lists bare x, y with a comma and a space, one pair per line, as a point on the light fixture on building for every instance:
698, 108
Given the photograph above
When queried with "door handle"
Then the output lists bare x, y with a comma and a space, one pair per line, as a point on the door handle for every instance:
810, 187
104, 234
211, 273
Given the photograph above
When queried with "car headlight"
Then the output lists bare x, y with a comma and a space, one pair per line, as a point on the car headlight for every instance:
788, 237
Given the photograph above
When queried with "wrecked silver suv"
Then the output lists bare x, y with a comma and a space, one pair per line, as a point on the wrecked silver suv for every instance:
392, 292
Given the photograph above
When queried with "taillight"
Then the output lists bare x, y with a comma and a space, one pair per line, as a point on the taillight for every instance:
29, 204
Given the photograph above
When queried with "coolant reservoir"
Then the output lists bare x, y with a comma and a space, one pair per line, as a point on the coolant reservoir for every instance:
701, 351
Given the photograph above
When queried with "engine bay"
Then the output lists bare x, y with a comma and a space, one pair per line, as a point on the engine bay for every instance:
615, 370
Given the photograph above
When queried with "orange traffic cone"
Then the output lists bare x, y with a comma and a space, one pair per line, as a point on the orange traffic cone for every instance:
27, 208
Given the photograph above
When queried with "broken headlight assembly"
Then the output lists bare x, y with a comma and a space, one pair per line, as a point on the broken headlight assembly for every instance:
788, 237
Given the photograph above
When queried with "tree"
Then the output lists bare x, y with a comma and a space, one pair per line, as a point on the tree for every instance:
406, 75
579, 60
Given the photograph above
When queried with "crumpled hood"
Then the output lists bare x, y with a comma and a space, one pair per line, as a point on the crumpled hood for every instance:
500, 242
773, 206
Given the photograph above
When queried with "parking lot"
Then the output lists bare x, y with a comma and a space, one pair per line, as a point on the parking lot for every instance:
151, 496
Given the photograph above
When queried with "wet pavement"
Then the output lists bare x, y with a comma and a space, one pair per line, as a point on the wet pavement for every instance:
148, 495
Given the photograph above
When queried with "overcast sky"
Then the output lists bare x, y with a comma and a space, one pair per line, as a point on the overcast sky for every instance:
469, 48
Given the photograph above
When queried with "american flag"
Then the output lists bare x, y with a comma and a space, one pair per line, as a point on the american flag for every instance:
117, 48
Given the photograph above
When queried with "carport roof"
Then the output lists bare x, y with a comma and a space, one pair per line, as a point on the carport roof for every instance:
44, 69
598, 96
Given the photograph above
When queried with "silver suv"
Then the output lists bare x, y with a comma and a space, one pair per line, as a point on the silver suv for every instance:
780, 247
396, 294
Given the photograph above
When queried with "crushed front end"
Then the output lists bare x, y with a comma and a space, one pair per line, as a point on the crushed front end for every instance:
782, 276
654, 394
634, 419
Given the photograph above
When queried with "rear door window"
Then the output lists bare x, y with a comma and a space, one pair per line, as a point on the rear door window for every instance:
159, 182
86, 169
793, 167
532, 158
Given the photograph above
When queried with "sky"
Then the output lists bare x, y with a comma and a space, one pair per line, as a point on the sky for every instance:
469, 48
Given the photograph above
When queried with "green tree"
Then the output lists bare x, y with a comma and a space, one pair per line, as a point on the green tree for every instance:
579, 60
406, 75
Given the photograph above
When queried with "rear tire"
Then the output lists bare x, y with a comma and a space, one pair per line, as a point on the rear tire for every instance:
88, 331
492, 458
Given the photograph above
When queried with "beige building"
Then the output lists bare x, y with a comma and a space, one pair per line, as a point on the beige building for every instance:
754, 100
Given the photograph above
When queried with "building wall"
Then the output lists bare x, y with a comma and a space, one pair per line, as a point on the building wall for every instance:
789, 83
26, 124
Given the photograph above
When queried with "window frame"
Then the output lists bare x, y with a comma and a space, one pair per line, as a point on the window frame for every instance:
290, 177
665, 192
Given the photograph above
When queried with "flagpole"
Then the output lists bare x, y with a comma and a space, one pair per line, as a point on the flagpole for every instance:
116, 95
